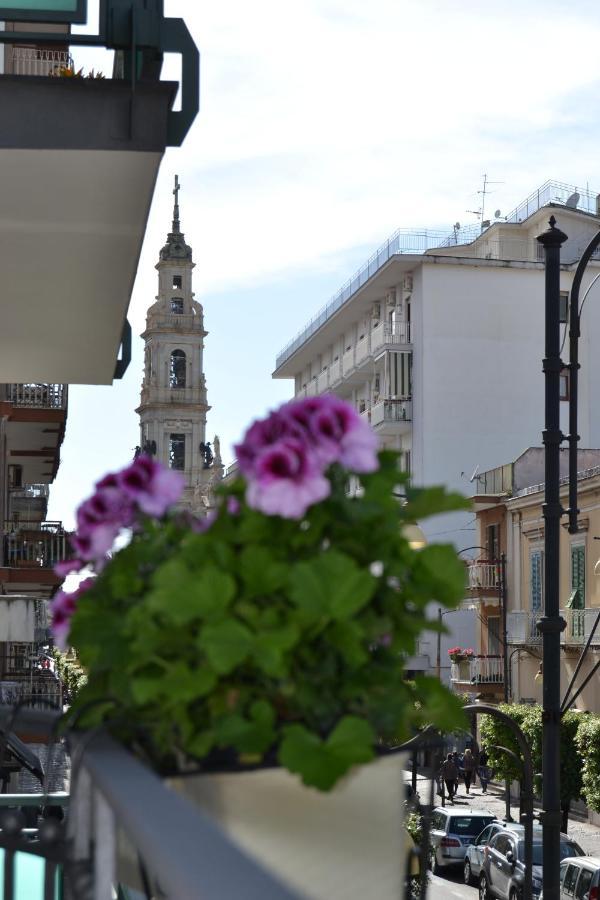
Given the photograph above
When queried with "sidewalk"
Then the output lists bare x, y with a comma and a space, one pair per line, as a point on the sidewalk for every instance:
588, 836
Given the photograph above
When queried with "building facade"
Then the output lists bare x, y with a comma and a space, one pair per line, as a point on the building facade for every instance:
438, 342
32, 427
510, 524
173, 404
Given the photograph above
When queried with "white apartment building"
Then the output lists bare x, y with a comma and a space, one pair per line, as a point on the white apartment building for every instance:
439, 338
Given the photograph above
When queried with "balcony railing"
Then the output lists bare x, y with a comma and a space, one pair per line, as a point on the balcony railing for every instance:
45, 396
521, 627
390, 411
38, 61
398, 335
31, 492
483, 575
478, 670
33, 544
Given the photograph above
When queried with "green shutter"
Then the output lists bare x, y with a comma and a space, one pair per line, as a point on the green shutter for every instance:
578, 576
536, 560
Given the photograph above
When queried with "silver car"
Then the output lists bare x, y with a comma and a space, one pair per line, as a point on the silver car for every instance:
452, 832
474, 854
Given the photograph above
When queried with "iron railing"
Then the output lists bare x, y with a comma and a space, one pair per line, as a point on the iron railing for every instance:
478, 670
39, 61
521, 627
483, 575
44, 396
390, 411
33, 544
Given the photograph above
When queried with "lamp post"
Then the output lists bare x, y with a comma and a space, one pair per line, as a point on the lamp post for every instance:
551, 624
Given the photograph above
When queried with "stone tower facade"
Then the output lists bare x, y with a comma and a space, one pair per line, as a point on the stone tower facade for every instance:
173, 403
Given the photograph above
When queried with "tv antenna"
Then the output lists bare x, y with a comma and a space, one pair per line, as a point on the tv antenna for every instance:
475, 474
480, 213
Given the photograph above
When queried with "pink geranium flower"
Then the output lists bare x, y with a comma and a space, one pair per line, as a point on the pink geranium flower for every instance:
151, 486
287, 481
62, 608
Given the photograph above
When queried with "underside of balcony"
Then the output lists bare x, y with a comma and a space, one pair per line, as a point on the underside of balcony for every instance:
78, 164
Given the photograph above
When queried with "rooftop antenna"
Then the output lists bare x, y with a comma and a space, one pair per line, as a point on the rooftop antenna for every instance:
456, 228
475, 473
484, 193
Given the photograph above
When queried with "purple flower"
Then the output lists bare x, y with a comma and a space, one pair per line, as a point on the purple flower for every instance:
261, 434
287, 480
62, 608
344, 436
62, 569
233, 506
151, 486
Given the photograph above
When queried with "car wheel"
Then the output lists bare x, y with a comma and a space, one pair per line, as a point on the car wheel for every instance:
435, 867
484, 889
468, 873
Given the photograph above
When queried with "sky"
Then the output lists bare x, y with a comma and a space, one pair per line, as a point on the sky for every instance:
323, 127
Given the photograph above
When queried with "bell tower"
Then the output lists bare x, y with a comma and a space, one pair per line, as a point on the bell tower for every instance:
173, 404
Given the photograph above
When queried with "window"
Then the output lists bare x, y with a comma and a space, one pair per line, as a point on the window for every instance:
577, 598
177, 451
438, 821
177, 305
177, 369
177, 282
501, 843
468, 826
570, 879
536, 579
564, 307
492, 541
583, 885
564, 384
493, 623
485, 835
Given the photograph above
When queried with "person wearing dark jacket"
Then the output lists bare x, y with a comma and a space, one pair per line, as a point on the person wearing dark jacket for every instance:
484, 771
449, 773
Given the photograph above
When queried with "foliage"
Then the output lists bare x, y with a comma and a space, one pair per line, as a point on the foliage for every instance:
275, 630
71, 72
495, 734
414, 825
70, 672
587, 742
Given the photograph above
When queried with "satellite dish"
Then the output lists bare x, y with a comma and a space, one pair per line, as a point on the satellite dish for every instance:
474, 475
457, 226
573, 200
497, 214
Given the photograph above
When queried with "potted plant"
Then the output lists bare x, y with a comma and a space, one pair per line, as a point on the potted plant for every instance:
456, 654
263, 648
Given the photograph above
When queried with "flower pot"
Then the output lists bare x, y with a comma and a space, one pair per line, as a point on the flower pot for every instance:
341, 845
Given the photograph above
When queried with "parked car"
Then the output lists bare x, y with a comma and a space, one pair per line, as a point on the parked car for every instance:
580, 878
452, 832
503, 869
474, 854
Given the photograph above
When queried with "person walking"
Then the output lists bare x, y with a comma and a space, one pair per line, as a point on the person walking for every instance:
457, 757
469, 766
449, 773
484, 771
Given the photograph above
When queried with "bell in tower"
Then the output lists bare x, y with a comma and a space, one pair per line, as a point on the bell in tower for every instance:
173, 404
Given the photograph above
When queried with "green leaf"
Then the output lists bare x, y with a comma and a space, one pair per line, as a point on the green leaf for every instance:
177, 682
330, 586
349, 639
270, 648
182, 595
321, 764
200, 744
246, 735
226, 644
261, 574
441, 572
443, 708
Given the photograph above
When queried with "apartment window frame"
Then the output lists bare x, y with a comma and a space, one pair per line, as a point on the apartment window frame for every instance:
536, 579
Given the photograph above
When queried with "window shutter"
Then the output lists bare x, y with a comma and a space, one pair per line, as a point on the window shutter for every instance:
536, 580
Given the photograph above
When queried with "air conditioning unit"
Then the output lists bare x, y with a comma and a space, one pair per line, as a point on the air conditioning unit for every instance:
407, 283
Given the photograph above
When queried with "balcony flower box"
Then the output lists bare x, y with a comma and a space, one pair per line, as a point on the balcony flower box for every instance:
252, 655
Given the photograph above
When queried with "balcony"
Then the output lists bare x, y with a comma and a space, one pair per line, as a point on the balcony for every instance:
38, 61
521, 628
176, 322
390, 417
384, 335
32, 545
323, 382
29, 502
37, 396
478, 670
483, 577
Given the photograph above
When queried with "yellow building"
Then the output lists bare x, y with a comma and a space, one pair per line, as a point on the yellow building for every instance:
510, 527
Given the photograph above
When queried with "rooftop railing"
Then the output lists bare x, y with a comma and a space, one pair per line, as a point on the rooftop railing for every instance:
45, 396
418, 241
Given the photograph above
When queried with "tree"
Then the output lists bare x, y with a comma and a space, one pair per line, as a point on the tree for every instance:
587, 743
529, 718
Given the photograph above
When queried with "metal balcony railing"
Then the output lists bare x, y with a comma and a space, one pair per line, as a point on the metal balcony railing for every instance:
483, 575
33, 544
31, 492
390, 411
44, 396
521, 627
478, 670
39, 61
579, 625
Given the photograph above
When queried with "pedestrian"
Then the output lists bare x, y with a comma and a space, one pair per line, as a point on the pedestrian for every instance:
449, 773
456, 756
484, 771
469, 765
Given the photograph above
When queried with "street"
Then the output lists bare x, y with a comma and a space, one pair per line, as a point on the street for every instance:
450, 885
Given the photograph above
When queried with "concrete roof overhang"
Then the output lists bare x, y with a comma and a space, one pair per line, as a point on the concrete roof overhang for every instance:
78, 165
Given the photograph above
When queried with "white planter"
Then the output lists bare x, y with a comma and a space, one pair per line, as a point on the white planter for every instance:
347, 844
